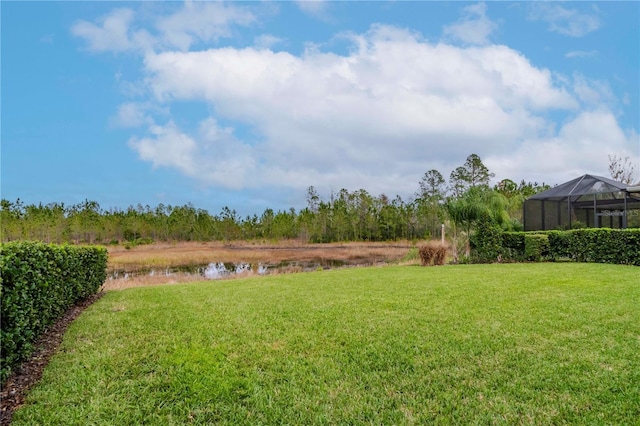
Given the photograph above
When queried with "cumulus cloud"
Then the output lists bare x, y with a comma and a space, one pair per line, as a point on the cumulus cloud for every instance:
315, 8
474, 27
592, 92
569, 22
192, 22
137, 114
369, 119
580, 146
376, 117
167, 146
202, 21
212, 155
130, 114
267, 41
110, 33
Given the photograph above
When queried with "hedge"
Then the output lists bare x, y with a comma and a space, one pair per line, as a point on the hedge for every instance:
38, 283
620, 246
486, 243
536, 246
601, 245
513, 246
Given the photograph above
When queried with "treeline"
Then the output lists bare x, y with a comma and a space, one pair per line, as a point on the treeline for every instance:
343, 216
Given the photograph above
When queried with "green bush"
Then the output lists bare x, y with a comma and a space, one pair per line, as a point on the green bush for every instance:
605, 245
630, 247
536, 246
602, 245
560, 245
513, 246
486, 243
39, 282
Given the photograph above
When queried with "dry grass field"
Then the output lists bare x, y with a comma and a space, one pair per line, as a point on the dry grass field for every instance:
172, 255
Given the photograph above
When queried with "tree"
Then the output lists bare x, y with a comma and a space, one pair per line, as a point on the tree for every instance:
229, 223
477, 173
515, 200
313, 199
432, 186
516, 195
85, 220
471, 174
11, 220
622, 169
429, 201
477, 204
458, 182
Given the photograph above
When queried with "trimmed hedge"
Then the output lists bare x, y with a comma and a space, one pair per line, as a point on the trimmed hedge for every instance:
513, 246
601, 245
486, 243
38, 283
535, 247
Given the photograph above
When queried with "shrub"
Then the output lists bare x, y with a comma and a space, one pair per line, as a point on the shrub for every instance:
440, 255
536, 246
432, 252
603, 245
559, 245
630, 247
427, 253
39, 282
513, 246
578, 225
486, 244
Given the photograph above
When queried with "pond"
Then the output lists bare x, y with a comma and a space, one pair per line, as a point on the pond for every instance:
219, 270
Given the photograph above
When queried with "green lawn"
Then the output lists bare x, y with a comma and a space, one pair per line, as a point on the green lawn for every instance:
477, 344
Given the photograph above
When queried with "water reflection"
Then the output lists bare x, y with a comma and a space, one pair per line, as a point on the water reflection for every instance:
223, 270
219, 270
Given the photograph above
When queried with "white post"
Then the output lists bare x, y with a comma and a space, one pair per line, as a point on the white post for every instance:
442, 233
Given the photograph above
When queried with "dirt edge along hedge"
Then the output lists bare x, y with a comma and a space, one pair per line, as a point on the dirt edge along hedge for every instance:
38, 283
599, 245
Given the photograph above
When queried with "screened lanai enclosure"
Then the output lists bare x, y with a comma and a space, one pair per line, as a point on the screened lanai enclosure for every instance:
587, 201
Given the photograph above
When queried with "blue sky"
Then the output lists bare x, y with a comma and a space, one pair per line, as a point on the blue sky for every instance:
247, 104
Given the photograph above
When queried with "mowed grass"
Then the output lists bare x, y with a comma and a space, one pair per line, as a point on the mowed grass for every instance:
476, 344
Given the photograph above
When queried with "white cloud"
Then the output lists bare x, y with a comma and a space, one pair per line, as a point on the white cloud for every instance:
129, 115
202, 21
136, 114
376, 118
474, 27
592, 92
569, 22
266, 41
315, 8
167, 146
213, 155
581, 146
112, 34
192, 22
581, 54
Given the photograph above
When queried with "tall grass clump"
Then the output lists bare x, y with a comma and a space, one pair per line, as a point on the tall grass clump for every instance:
432, 253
